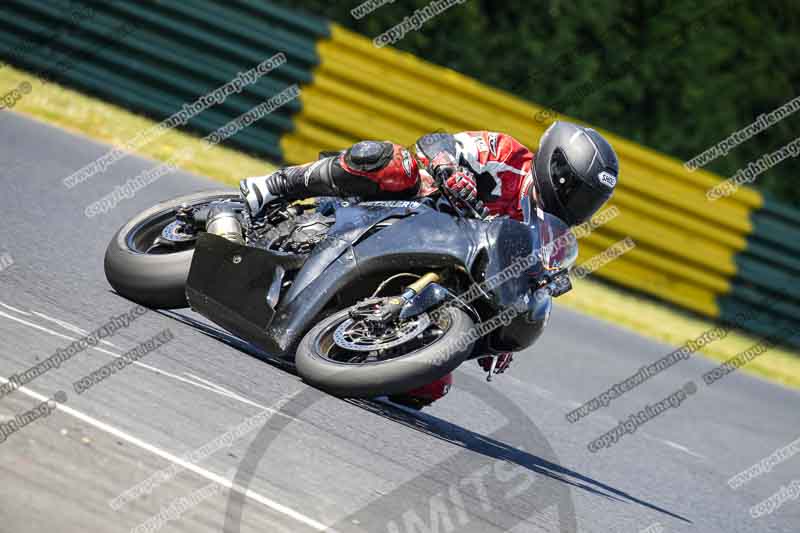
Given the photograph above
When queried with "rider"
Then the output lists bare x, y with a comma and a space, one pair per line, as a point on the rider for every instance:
573, 173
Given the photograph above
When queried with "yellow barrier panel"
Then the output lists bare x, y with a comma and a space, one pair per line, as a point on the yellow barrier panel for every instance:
446, 79
670, 288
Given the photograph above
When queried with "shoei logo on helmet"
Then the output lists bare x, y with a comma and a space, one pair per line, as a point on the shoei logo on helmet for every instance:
609, 180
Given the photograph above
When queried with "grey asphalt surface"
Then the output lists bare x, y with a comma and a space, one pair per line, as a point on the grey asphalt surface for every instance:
489, 457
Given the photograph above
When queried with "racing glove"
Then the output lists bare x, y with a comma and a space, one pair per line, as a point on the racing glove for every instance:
462, 184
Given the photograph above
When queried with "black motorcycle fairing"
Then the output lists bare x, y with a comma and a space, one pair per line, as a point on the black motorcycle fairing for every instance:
231, 284
399, 247
526, 327
428, 231
513, 260
352, 223
514, 265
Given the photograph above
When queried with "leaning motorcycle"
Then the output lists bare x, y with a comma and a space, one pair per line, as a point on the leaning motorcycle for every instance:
368, 299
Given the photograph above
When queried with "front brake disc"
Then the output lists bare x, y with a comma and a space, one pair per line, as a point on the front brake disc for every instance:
356, 336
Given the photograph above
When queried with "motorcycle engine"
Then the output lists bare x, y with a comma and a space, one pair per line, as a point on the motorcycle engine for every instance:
298, 234
308, 231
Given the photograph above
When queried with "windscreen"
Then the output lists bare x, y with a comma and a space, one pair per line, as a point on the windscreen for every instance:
558, 245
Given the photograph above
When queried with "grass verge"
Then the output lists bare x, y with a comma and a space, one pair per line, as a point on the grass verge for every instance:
662, 323
101, 121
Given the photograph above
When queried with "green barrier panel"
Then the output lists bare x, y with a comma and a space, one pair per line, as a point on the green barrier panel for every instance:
177, 54
775, 233
303, 24
765, 323
778, 210
173, 64
760, 250
770, 278
263, 37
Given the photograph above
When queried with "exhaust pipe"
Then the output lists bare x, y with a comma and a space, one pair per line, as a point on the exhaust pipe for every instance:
223, 221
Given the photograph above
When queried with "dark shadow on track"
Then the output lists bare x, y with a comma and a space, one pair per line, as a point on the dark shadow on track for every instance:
438, 428
459, 436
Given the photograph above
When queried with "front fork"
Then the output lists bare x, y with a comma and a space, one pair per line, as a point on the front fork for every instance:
410, 303
421, 296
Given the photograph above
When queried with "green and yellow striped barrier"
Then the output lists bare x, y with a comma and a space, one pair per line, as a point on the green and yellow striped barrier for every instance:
717, 259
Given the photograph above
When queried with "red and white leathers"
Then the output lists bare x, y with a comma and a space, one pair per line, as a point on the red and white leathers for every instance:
501, 166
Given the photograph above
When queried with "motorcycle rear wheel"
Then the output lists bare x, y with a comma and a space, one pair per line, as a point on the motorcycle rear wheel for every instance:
155, 278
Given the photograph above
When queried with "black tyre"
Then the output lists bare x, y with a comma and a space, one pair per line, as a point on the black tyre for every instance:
155, 279
324, 364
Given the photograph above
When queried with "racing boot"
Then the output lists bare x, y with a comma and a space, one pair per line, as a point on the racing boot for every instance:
288, 183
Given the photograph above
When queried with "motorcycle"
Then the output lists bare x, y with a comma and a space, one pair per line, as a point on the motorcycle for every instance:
368, 298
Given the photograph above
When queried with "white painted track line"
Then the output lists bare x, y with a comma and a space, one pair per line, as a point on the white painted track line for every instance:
207, 474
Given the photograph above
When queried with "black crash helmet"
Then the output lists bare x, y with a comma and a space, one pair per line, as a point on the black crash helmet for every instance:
575, 171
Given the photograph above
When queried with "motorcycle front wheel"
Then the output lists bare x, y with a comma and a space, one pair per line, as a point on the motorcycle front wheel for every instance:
347, 359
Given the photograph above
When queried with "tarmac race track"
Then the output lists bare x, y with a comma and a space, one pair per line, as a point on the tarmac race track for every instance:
231, 442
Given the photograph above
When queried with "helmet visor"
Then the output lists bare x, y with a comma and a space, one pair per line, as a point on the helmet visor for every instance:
584, 201
579, 199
